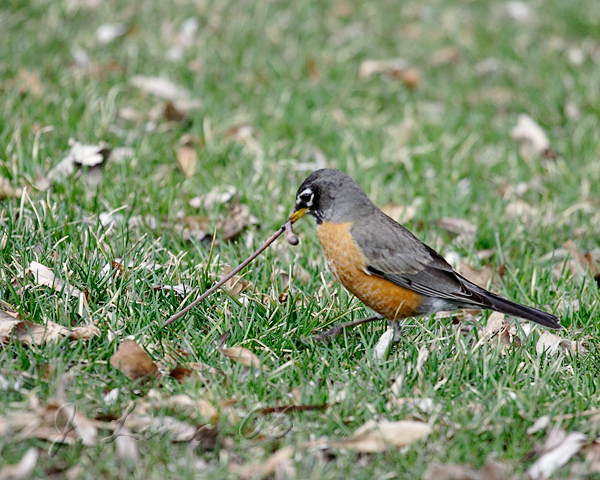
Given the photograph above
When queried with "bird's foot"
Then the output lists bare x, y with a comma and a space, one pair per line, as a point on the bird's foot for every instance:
398, 332
342, 326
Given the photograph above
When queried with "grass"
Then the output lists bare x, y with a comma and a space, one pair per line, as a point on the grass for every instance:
290, 70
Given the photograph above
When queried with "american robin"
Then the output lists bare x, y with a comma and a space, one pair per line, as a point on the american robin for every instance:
385, 265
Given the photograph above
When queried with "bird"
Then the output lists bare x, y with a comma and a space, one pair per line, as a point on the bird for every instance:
383, 264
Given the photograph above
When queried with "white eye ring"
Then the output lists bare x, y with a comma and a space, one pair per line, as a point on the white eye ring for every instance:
308, 197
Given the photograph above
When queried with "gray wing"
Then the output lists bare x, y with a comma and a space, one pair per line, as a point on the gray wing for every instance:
397, 255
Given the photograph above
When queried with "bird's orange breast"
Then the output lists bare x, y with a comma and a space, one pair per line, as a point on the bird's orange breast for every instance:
346, 261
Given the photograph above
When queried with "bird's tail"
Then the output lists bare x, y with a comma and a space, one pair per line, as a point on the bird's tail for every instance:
502, 305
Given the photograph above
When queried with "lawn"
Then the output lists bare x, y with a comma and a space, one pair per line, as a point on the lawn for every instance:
418, 101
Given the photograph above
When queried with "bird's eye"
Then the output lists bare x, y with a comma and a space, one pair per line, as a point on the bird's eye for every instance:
305, 197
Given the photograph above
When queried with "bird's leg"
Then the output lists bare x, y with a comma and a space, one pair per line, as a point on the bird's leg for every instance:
397, 330
342, 326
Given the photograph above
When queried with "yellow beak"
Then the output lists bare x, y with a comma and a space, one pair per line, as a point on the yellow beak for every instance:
297, 214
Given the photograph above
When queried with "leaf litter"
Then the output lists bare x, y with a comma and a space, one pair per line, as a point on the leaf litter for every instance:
557, 450
133, 361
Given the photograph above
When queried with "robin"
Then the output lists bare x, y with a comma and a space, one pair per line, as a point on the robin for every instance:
383, 264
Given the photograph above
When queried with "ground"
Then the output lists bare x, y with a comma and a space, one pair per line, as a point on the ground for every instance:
419, 102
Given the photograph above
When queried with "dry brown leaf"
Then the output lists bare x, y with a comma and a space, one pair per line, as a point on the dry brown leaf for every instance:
504, 332
539, 425
491, 470
479, 277
235, 285
133, 361
531, 136
30, 82
379, 436
67, 414
551, 344
457, 226
214, 197
79, 156
44, 276
12, 326
243, 356
235, 222
8, 191
107, 32
396, 68
497, 96
400, 213
197, 407
193, 370
29, 333
192, 228
314, 72
557, 451
187, 157
23, 469
8, 321
84, 332
151, 426
280, 460
445, 56
425, 405
279, 273
126, 446
160, 87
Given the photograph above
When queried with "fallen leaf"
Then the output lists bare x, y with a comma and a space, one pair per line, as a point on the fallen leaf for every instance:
491, 470
425, 405
243, 356
84, 332
481, 277
235, 222
44, 276
503, 331
552, 344
150, 426
133, 361
379, 436
214, 197
67, 415
80, 155
400, 213
181, 289
8, 191
194, 407
187, 157
29, 333
531, 135
445, 56
108, 32
382, 348
396, 68
517, 10
558, 450
192, 227
313, 70
497, 96
539, 425
173, 114
30, 82
235, 285
159, 86
23, 469
280, 460
488, 66
457, 226
126, 446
